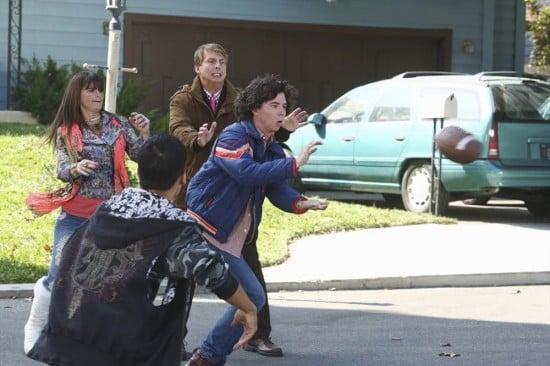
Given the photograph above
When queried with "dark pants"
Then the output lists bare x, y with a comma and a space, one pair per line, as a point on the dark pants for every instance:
251, 257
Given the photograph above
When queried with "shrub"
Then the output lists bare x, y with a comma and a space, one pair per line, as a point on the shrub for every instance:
540, 29
41, 88
159, 122
131, 96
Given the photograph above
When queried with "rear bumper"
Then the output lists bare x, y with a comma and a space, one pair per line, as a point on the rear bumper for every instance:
484, 175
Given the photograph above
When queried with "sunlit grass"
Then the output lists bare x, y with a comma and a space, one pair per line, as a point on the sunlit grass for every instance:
27, 165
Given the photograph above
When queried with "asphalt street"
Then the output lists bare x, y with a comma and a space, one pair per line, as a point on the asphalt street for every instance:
437, 326
475, 293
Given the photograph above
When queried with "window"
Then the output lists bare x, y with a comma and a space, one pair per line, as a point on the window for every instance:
544, 109
521, 101
393, 105
351, 107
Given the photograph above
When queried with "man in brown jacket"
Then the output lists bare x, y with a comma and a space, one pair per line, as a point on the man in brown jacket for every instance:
192, 119
198, 113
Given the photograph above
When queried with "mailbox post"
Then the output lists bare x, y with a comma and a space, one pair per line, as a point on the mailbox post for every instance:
437, 108
113, 52
113, 55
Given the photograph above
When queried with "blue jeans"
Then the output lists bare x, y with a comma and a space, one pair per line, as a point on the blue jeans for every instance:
65, 226
221, 339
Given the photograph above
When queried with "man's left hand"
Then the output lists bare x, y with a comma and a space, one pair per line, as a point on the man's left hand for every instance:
312, 204
249, 321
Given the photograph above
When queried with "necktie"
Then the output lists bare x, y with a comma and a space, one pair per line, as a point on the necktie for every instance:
213, 103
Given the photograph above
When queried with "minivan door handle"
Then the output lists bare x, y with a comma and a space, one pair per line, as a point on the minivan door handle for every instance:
399, 138
348, 138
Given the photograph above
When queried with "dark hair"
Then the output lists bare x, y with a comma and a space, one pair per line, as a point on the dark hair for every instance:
161, 161
69, 108
260, 90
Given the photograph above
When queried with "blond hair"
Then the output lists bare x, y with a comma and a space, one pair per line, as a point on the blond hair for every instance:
214, 47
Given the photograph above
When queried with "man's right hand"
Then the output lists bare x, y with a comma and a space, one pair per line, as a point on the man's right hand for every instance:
246, 315
205, 134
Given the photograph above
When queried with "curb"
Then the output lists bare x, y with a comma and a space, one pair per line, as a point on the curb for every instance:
25, 290
9, 116
16, 291
411, 282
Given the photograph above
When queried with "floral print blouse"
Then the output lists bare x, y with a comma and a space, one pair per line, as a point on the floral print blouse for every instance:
99, 149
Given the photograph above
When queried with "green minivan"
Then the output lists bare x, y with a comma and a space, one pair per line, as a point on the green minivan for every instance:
375, 140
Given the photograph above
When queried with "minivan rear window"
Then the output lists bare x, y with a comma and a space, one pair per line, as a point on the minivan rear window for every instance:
526, 101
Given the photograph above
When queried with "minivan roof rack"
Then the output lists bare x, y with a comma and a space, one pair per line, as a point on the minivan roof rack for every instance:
414, 74
512, 74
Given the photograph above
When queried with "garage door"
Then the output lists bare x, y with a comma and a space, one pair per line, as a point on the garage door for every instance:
322, 61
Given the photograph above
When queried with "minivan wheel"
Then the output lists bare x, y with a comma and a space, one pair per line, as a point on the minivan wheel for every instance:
295, 182
416, 190
479, 201
539, 207
393, 200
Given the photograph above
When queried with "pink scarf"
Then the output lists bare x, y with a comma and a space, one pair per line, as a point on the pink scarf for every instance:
43, 203
74, 143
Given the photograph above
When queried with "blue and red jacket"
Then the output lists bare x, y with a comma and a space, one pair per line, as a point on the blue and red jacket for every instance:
240, 168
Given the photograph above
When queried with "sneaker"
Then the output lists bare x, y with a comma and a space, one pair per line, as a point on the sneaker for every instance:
38, 316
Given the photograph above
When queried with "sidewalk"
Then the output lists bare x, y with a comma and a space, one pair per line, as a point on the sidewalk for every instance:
417, 256
465, 254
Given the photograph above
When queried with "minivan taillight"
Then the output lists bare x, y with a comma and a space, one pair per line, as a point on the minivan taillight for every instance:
493, 142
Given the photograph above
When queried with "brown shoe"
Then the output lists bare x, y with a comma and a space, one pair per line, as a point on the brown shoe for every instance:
185, 354
198, 359
264, 347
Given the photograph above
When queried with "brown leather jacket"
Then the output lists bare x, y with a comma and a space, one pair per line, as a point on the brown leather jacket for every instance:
188, 111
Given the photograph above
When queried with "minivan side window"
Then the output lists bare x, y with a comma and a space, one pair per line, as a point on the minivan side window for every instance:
351, 107
467, 102
394, 104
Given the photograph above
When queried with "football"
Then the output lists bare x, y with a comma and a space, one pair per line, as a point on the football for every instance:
458, 144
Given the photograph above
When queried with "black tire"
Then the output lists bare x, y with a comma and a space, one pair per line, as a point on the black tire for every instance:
295, 182
416, 190
478, 201
393, 200
539, 207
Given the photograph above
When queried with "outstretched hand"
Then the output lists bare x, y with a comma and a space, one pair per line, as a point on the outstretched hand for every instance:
296, 119
312, 204
310, 148
205, 133
249, 321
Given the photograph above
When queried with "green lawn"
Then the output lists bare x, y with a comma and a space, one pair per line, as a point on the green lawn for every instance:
26, 165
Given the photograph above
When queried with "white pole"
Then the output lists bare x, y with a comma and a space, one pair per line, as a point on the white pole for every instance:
113, 57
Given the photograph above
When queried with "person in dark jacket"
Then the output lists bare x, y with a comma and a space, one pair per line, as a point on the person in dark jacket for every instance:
226, 195
102, 311
198, 113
